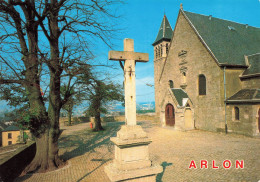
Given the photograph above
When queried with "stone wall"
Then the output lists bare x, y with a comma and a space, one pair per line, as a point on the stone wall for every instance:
251, 82
255, 119
158, 66
12, 167
64, 120
248, 119
139, 117
233, 82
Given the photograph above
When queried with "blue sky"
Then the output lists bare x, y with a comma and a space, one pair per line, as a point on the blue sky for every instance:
141, 20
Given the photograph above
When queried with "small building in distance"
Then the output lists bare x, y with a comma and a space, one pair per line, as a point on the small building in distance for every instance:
2, 127
207, 74
10, 135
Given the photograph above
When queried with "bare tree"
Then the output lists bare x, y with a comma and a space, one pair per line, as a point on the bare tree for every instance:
76, 98
49, 40
100, 93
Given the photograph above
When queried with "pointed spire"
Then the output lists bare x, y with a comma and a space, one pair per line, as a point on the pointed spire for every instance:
165, 31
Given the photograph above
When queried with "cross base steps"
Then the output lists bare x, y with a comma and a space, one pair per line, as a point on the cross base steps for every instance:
137, 175
131, 161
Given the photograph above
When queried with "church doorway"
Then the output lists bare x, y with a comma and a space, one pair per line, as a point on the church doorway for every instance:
169, 115
188, 119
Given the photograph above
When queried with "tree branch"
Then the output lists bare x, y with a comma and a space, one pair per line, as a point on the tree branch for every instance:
10, 67
2, 81
10, 10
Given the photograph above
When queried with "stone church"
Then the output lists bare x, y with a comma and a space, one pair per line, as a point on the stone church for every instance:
207, 74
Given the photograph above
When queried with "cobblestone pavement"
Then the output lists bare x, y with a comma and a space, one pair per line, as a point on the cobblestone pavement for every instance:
88, 152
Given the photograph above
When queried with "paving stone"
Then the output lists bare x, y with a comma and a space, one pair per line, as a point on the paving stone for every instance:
88, 152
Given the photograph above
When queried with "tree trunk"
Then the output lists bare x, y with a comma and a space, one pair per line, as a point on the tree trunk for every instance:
54, 97
44, 160
45, 129
97, 106
69, 116
98, 126
44, 126
40, 159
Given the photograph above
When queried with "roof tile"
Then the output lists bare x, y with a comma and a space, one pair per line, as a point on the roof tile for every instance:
165, 31
12, 128
254, 65
179, 95
245, 95
229, 41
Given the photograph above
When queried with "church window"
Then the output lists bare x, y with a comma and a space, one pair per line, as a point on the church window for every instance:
202, 85
167, 48
171, 83
236, 109
156, 52
184, 77
161, 50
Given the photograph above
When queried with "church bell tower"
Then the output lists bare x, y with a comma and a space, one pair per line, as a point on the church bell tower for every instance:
162, 41
161, 47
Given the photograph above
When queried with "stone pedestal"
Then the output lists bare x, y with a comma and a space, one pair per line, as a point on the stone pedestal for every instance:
131, 161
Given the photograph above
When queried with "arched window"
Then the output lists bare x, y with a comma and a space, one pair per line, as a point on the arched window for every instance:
236, 109
171, 84
167, 48
161, 51
202, 85
156, 52
184, 77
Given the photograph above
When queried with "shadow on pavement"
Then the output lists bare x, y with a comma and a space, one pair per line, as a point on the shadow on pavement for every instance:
160, 175
103, 162
87, 140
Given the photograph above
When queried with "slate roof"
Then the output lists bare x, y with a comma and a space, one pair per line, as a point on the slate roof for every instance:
227, 40
12, 128
245, 95
254, 65
165, 31
2, 126
179, 95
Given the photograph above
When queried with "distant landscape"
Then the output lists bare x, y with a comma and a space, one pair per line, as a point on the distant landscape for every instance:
141, 107
118, 108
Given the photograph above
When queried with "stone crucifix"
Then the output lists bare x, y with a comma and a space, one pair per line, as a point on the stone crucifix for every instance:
130, 58
131, 161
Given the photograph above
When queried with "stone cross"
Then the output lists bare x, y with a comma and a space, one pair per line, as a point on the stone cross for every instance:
130, 58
